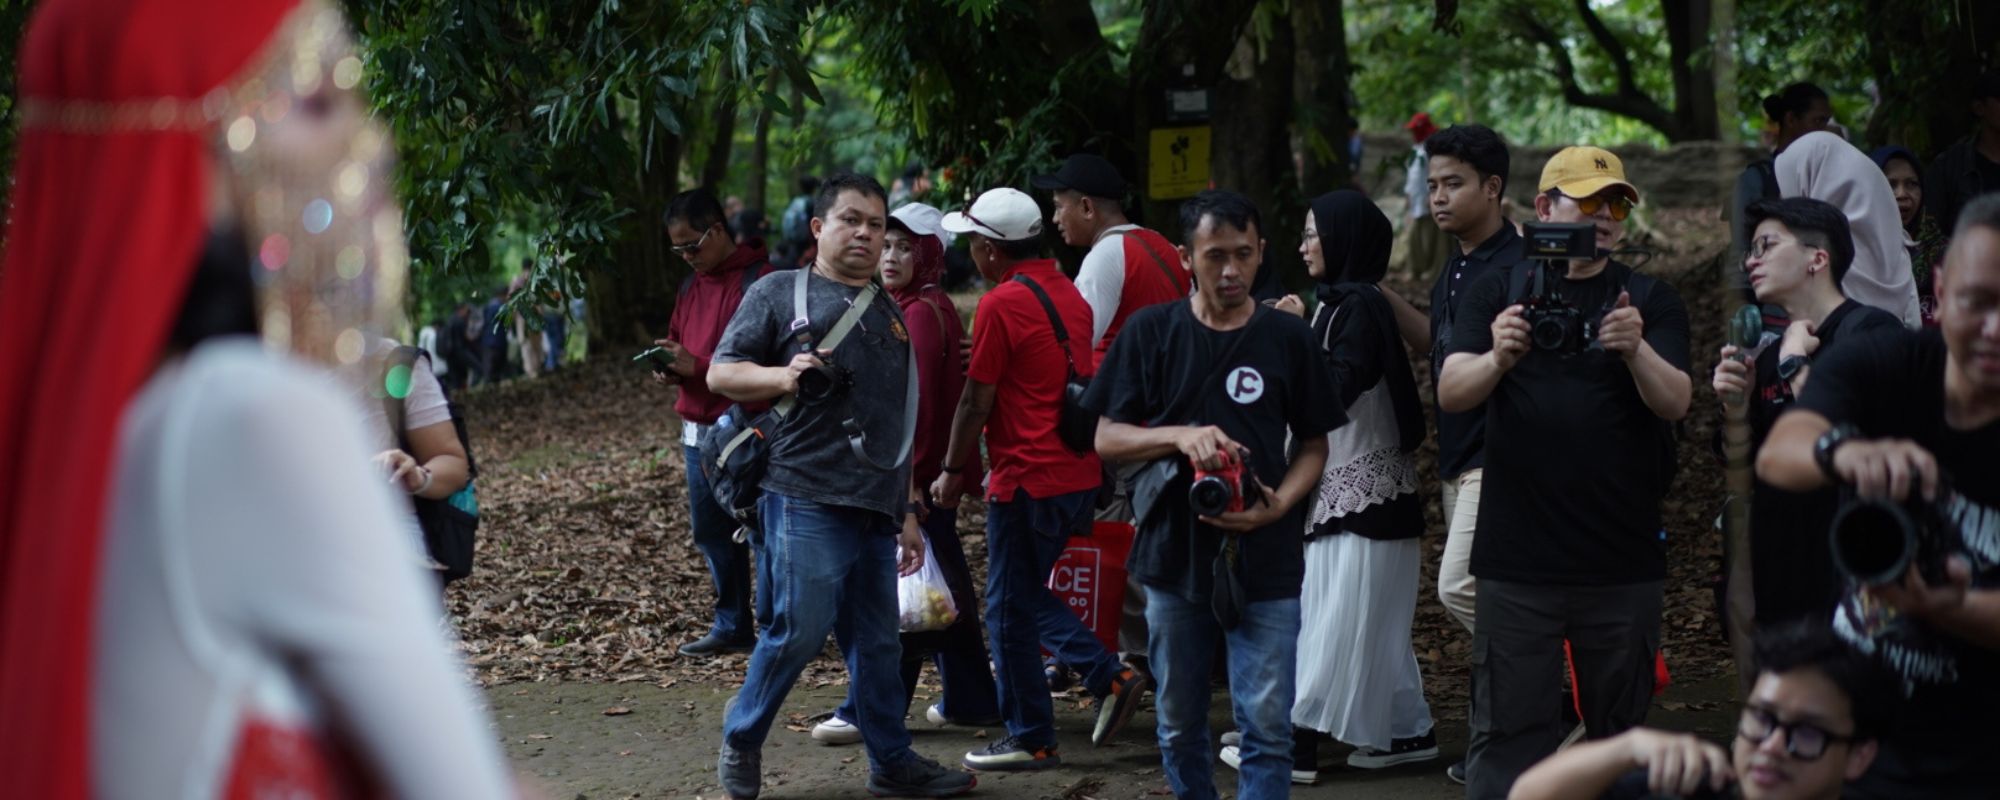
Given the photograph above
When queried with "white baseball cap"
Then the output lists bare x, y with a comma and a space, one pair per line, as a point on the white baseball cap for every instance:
1004, 214
921, 219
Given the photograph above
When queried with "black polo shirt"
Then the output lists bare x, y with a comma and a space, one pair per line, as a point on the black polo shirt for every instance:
1462, 436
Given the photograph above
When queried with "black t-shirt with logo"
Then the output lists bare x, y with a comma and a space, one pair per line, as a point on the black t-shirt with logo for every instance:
1275, 383
1462, 435
1576, 463
1891, 385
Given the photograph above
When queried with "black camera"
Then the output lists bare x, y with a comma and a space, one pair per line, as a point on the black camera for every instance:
1875, 542
824, 382
1553, 323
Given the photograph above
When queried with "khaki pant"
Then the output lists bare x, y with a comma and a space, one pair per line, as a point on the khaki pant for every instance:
1461, 512
532, 352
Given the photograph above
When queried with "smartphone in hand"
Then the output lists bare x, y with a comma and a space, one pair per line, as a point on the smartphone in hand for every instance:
658, 359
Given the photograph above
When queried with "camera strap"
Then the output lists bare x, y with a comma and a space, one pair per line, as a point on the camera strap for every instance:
801, 332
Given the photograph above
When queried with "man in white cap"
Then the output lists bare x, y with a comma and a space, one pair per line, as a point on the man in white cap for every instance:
1581, 363
1028, 340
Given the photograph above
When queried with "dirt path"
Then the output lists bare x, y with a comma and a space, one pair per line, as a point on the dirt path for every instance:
665, 747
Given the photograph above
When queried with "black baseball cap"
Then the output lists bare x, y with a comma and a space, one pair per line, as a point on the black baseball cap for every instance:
1087, 174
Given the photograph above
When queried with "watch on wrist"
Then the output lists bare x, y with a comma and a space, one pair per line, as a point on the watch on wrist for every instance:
1789, 366
951, 470
1824, 447
915, 509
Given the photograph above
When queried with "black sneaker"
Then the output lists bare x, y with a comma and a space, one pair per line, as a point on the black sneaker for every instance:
1010, 755
1456, 773
715, 645
741, 771
919, 777
1401, 751
1115, 709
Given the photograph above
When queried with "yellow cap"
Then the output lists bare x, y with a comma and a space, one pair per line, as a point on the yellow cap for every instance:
1584, 171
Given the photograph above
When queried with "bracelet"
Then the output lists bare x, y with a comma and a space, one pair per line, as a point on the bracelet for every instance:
951, 470
426, 484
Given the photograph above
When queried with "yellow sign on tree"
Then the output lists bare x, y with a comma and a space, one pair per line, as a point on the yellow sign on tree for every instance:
1177, 162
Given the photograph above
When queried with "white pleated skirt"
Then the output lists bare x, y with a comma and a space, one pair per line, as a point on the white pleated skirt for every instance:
1357, 675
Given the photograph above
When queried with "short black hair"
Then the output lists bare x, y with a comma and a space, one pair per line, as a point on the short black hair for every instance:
1872, 693
830, 189
808, 185
1019, 249
1793, 99
1983, 211
1815, 222
1224, 206
697, 208
1473, 144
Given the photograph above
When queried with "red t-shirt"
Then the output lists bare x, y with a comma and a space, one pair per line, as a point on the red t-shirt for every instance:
1149, 281
1014, 350
702, 310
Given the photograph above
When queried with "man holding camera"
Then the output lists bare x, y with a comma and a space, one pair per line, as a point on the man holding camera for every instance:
1911, 419
723, 271
1799, 250
1218, 382
1582, 365
837, 502
1039, 491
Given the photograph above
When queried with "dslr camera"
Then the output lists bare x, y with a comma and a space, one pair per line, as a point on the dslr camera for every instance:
1554, 324
1222, 490
1876, 541
824, 382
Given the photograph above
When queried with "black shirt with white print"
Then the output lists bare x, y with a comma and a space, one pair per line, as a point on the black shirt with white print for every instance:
1277, 391
1891, 385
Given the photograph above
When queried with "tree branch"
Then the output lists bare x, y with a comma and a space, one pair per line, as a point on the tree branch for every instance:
1622, 60
1627, 102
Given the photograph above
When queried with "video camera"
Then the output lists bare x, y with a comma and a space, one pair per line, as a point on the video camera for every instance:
1876, 541
1553, 323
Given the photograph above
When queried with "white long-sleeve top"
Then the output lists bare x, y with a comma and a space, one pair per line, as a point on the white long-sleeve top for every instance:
255, 573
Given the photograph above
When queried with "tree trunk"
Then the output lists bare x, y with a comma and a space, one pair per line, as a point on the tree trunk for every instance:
1180, 45
1320, 81
716, 166
1253, 104
1688, 31
760, 154
631, 300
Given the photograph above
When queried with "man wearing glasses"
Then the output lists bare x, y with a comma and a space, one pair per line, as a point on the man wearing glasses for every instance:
1808, 729
1799, 251
723, 270
1568, 544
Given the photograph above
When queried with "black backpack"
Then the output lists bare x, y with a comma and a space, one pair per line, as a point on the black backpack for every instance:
450, 525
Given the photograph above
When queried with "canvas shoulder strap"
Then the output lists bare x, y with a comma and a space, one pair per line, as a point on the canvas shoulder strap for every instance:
1055, 320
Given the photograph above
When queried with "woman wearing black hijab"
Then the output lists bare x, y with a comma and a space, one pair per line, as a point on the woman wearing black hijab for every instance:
1358, 679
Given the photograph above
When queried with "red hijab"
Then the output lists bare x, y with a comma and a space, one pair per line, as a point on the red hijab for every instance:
110, 199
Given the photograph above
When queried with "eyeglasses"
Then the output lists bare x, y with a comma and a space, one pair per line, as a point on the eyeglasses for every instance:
686, 250
1763, 245
1309, 237
1621, 206
1803, 741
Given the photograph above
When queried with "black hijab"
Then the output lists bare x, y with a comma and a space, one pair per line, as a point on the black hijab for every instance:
1354, 239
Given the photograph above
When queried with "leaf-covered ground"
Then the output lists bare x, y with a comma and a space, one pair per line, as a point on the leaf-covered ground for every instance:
585, 571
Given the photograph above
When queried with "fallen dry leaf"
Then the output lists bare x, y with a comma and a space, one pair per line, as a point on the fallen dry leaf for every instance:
617, 711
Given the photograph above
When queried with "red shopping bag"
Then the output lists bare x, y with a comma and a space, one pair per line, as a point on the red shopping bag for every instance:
1089, 578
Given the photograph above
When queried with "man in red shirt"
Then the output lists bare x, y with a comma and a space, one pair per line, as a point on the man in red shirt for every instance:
1038, 490
702, 308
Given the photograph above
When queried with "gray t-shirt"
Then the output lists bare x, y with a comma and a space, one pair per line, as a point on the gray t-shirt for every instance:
810, 455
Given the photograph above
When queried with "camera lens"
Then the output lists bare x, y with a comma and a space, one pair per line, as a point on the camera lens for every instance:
1550, 333
1873, 542
815, 384
1209, 496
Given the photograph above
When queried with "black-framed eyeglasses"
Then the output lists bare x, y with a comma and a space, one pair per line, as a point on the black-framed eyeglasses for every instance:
1803, 740
686, 250
1763, 245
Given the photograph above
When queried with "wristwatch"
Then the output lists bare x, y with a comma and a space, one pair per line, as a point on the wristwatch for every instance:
915, 509
1827, 443
1789, 366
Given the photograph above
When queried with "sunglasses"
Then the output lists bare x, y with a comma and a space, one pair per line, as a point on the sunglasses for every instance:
686, 250
1803, 741
1621, 206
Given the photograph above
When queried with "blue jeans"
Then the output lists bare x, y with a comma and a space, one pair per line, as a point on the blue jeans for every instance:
958, 651
834, 568
1024, 537
1263, 650
729, 563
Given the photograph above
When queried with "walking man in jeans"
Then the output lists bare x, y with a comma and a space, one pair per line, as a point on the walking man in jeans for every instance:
1210, 382
702, 307
837, 505
1039, 491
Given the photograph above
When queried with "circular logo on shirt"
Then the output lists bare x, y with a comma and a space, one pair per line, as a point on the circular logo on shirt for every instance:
1245, 385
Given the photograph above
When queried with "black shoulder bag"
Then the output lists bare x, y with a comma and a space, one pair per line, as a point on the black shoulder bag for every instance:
449, 527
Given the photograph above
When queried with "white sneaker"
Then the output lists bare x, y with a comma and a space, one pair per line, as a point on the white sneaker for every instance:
836, 731
1233, 756
935, 714
1232, 738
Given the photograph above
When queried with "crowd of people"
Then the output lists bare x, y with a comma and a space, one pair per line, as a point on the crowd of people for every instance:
1158, 381
230, 588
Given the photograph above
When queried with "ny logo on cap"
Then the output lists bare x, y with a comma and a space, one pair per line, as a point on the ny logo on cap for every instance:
1602, 165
